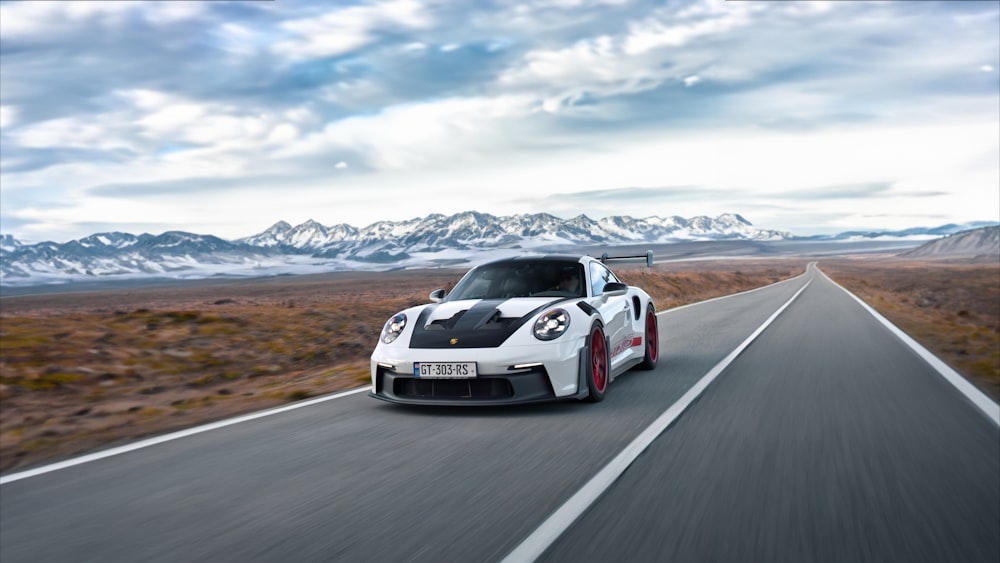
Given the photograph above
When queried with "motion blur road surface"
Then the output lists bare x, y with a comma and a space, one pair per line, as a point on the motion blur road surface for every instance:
827, 439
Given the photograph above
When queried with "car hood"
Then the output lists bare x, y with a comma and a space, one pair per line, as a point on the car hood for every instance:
475, 323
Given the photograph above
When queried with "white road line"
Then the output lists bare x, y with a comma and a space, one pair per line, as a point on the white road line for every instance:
535, 544
981, 400
172, 436
735, 294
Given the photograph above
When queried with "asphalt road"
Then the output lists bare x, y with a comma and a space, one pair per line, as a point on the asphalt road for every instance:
825, 440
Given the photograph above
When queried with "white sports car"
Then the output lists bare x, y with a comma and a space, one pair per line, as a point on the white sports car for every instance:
518, 330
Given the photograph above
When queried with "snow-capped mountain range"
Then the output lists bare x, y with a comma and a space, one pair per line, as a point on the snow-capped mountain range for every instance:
390, 241
312, 247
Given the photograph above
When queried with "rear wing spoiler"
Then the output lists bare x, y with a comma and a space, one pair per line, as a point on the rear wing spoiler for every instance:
648, 256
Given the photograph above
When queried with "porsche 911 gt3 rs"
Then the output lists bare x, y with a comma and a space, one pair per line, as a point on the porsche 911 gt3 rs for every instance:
518, 330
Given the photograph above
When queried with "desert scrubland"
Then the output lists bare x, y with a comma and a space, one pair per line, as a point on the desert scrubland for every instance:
88, 370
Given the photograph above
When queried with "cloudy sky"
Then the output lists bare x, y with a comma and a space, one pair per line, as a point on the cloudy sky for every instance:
224, 117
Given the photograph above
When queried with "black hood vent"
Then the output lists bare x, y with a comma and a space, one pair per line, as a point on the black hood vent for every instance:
480, 326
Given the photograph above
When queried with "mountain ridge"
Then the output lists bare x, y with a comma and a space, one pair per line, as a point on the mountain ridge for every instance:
282, 248
472, 228
981, 244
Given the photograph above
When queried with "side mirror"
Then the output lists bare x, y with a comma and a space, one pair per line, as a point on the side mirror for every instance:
437, 295
614, 289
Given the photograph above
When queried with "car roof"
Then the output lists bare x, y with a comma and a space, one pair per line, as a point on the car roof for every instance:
567, 258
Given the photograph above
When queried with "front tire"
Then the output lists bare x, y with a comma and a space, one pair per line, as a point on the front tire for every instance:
598, 376
652, 338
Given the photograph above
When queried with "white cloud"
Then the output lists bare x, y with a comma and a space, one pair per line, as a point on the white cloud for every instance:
421, 135
642, 57
343, 30
143, 98
545, 18
27, 19
172, 119
75, 132
587, 62
170, 138
652, 33
8, 116
283, 133
416, 47
595, 67
170, 12
19, 20
238, 39
572, 4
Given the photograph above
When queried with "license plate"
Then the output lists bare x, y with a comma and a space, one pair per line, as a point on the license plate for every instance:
444, 370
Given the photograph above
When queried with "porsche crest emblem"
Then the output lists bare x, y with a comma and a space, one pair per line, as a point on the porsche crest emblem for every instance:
453, 341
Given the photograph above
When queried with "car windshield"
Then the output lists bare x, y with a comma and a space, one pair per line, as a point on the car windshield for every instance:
503, 280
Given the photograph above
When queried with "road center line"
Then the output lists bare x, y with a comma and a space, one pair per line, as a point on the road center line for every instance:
559, 521
169, 437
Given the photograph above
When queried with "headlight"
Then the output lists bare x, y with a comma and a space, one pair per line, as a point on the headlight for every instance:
551, 325
393, 328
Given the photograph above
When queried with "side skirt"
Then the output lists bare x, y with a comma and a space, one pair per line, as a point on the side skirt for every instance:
625, 366
582, 374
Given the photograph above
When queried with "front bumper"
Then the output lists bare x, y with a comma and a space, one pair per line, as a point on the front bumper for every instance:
523, 387
514, 373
